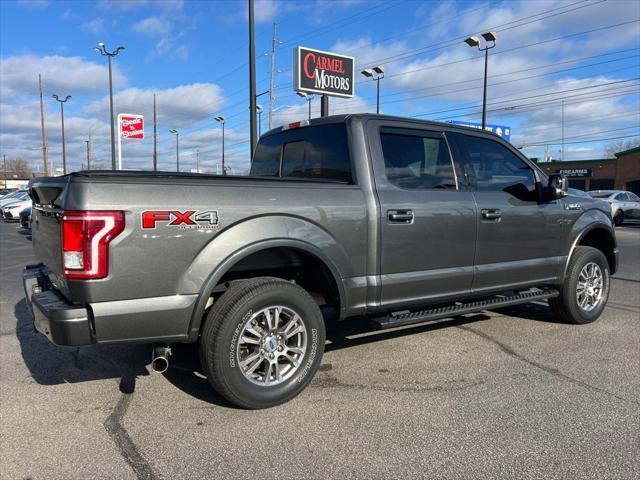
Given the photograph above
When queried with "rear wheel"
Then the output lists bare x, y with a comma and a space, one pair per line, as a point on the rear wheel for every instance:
618, 219
262, 342
586, 287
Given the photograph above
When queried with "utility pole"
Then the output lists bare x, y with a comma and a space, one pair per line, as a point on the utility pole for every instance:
252, 81
197, 160
272, 78
44, 141
88, 161
155, 136
89, 147
4, 159
562, 158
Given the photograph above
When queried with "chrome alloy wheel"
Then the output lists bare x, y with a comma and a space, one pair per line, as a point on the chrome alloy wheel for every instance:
272, 345
590, 287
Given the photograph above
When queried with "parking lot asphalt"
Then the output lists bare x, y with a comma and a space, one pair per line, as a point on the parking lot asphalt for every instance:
503, 394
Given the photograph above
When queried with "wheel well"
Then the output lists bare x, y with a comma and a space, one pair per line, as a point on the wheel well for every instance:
291, 264
602, 240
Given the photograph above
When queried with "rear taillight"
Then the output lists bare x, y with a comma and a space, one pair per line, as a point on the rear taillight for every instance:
85, 242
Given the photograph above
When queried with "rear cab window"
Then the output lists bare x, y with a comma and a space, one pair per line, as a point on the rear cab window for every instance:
318, 152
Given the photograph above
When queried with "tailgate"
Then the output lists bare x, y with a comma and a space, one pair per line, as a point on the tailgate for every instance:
47, 195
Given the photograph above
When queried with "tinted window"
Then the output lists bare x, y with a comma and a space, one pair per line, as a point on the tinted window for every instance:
496, 168
320, 152
266, 160
417, 162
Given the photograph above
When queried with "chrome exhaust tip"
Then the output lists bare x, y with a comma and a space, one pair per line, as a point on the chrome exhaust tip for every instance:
160, 359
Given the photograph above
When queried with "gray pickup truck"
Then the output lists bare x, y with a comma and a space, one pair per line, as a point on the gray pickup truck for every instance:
402, 220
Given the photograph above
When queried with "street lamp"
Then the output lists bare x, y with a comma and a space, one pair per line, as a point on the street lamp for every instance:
377, 74
490, 42
308, 97
101, 49
259, 110
221, 120
175, 132
64, 150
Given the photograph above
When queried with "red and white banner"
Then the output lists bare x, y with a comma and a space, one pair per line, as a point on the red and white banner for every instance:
131, 125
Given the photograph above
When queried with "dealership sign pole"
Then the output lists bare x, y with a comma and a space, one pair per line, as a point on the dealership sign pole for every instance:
323, 73
130, 126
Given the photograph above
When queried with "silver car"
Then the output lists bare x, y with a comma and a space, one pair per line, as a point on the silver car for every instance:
624, 205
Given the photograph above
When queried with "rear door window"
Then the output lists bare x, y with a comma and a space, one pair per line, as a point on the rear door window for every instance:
320, 152
417, 161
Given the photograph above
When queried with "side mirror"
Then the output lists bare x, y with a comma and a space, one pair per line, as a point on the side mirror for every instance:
558, 186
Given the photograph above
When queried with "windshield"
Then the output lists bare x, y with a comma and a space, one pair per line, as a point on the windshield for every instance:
600, 194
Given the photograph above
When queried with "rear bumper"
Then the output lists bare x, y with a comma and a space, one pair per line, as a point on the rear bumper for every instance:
141, 320
53, 315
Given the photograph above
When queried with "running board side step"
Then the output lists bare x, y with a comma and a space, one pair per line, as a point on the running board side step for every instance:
407, 317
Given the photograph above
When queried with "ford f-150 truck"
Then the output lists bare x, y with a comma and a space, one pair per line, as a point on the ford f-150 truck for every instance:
401, 220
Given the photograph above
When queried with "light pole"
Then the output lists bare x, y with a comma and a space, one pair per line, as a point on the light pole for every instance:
101, 49
221, 120
259, 110
377, 74
88, 157
490, 42
64, 150
177, 134
308, 97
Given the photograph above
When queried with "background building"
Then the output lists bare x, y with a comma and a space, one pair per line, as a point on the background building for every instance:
619, 173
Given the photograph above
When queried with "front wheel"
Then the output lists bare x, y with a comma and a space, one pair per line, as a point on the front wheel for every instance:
262, 342
584, 293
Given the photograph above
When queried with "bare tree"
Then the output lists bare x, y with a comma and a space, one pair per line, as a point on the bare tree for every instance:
621, 146
18, 168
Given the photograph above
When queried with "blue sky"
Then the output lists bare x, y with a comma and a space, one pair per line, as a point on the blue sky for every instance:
193, 55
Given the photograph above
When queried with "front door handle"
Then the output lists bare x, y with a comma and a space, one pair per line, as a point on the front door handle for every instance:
400, 216
491, 214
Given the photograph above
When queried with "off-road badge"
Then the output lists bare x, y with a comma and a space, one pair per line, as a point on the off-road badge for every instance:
188, 220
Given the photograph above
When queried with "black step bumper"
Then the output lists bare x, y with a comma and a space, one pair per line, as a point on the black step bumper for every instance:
53, 315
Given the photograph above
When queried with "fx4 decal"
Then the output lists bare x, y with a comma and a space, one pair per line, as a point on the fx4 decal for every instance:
190, 219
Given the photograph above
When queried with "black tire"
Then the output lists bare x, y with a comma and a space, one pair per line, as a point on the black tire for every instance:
220, 343
619, 218
566, 305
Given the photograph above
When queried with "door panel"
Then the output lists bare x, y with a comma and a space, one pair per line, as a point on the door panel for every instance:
427, 226
520, 239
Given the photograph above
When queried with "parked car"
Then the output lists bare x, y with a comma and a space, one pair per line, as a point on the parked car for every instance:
25, 218
578, 193
11, 211
402, 220
624, 205
14, 197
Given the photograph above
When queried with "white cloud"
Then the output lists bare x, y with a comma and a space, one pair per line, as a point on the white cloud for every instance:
176, 107
94, 26
63, 75
153, 27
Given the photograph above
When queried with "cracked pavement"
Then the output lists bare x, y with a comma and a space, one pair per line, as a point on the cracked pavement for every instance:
509, 393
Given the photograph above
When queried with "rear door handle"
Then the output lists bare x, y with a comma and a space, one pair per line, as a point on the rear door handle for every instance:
491, 214
400, 216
